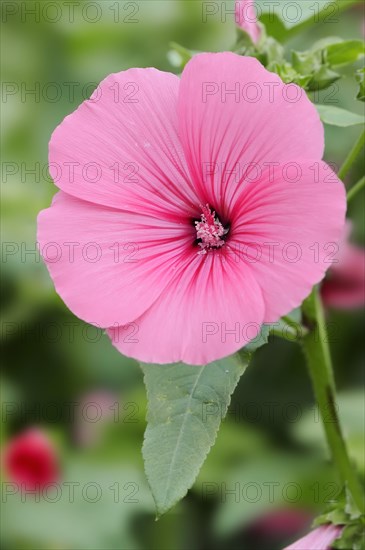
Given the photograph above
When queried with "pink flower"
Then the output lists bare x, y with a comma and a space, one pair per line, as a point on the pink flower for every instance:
30, 460
190, 213
319, 539
344, 287
246, 19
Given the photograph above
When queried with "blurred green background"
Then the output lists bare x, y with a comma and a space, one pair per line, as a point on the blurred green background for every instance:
272, 436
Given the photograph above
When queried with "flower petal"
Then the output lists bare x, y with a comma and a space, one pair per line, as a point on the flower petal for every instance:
108, 266
318, 539
120, 148
234, 114
211, 309
287, 227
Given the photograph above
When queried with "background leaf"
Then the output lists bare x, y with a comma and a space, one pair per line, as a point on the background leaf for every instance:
185, 407
338, 117
245, 495
344, 53
284, 19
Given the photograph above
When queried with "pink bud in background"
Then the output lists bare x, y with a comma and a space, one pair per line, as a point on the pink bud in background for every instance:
319, 539
246, 19
344, 286
31, 461
281, 523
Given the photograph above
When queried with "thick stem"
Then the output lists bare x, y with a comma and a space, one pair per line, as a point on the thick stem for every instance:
317, 352
352, 156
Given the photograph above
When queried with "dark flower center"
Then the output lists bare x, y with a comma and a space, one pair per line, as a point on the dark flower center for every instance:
210, 232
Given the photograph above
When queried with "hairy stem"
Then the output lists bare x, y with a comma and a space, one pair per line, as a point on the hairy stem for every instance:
317, 352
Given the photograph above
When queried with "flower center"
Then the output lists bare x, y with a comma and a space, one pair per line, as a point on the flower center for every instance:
210, 232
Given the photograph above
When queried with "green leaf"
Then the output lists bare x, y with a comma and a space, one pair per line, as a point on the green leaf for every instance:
273, 50
307, 62
322, 57
323, 78
288, 74
285, 19
338, 117
344, 53
261, 339
323, 43
360, 79
185, 407
344, 512
267, 50
312, 63
351, 538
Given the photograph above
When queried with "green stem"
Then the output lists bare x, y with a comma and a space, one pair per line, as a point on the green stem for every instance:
355, 189
289, 329
355, 151
289, 321
317, 352
289, 335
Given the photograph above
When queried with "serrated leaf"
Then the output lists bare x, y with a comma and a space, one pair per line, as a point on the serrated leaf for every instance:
338, 117
185, 407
